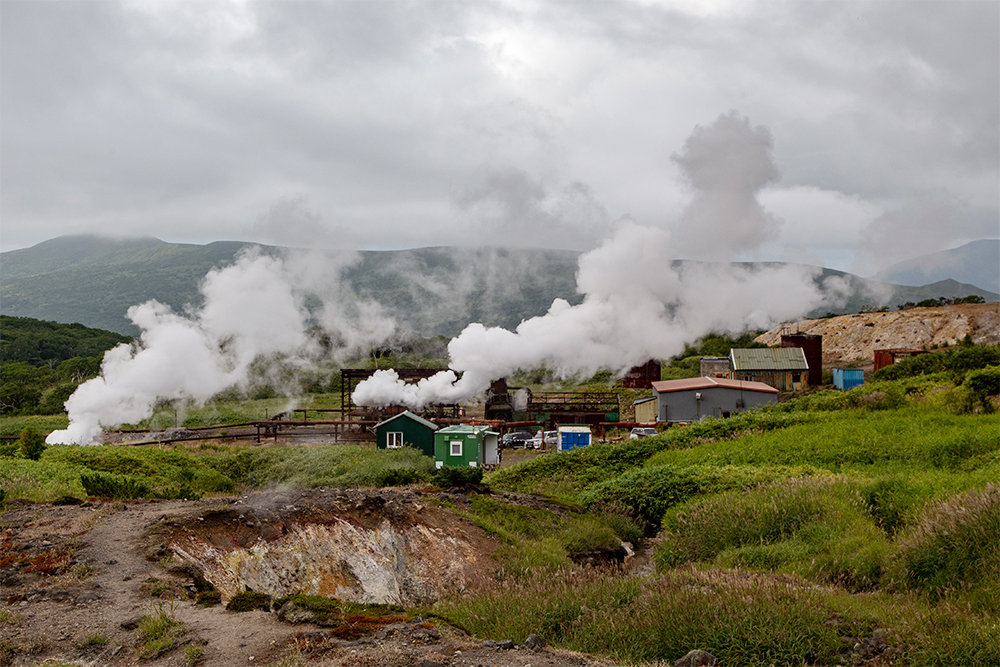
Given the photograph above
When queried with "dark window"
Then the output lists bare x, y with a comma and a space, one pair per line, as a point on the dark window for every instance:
796, 377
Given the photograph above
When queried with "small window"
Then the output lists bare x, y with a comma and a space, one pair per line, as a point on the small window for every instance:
748, 378
394, 440
456, 447
796, 378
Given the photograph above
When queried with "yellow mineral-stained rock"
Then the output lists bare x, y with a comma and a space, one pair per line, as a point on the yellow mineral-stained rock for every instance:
856, 337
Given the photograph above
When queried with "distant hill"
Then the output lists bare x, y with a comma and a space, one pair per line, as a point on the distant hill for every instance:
976, 263
432, 291
49, 343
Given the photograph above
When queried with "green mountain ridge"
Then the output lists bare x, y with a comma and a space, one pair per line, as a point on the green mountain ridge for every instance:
431, 291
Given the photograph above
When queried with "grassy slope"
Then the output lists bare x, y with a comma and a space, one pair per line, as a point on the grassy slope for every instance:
893, 511
785, 531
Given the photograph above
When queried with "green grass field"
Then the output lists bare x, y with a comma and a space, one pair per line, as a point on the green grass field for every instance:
784, 536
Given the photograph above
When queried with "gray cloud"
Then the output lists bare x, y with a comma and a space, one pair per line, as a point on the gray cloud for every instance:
189, 122
727, 163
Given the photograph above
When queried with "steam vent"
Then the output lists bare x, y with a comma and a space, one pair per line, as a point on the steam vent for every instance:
382, 547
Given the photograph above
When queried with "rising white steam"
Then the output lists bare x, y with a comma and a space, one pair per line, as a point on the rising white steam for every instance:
253, 314
638, 305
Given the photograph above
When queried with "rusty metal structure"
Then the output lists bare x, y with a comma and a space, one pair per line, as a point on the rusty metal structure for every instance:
889, 356
549, 408
642, 376
812, 345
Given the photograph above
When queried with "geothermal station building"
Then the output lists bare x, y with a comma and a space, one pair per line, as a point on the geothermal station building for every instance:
694, 399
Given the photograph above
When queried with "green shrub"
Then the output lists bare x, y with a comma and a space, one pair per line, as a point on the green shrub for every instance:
625, 528
957, 361
571, 473
248, 601
31, 444
208, 598
589, 536
955, 543
644, 494
53, 399
951, 453
398, 477
811, 527
310, 467
116, 487
982, 384
889, 502
158, 633
448, 477
741, 618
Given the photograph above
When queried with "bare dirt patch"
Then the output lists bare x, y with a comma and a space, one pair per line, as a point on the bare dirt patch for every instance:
75, 580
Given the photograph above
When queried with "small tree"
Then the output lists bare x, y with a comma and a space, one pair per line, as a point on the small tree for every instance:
32, 443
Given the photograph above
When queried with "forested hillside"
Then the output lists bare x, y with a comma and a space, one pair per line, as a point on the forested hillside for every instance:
427, 291
42, 363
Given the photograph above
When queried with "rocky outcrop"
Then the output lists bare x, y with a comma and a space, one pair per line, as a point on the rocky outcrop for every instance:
369, 549
849, 338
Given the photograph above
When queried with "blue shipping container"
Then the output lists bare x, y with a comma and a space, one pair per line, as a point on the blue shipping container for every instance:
848, 378
571, 437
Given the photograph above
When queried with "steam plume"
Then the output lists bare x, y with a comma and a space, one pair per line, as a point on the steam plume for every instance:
253, 315
638, 305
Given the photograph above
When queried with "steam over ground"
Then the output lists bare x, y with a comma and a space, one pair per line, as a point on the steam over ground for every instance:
637, 305
253, 323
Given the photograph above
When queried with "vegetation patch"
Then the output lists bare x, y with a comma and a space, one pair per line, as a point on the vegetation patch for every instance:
541, 538
348, 620
159, 633
955, 544
248, 601
310, 467
809, 527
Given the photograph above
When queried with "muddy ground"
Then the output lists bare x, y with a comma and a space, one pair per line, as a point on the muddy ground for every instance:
76, 579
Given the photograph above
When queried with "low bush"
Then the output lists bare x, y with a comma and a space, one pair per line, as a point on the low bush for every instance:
810, 527
330, 610
571, 473
646, 493
589, 536
982, 384
955, 543
625, 528
448, 477
328, 465
31, 444
248, 601
116, 487
158, 633
891, 502
957, 361
741, 618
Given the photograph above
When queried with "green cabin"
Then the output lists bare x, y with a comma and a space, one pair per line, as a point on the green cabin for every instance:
465, 445
406, 430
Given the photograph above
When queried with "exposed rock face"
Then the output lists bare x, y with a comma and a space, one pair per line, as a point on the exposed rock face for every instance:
345, 551
856, 337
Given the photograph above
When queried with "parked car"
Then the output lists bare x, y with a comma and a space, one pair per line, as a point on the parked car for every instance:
551, 437
516, 439
639, 432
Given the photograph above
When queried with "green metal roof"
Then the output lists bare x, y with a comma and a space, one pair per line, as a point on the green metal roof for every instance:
409, 415
769, 359
468, 428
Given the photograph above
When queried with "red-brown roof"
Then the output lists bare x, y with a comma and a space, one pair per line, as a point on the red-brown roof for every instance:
687, 384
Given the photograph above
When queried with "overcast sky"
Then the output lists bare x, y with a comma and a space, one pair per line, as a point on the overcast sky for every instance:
406, 124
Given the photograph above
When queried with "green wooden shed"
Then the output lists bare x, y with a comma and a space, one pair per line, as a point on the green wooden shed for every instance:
406, 430
465, 445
